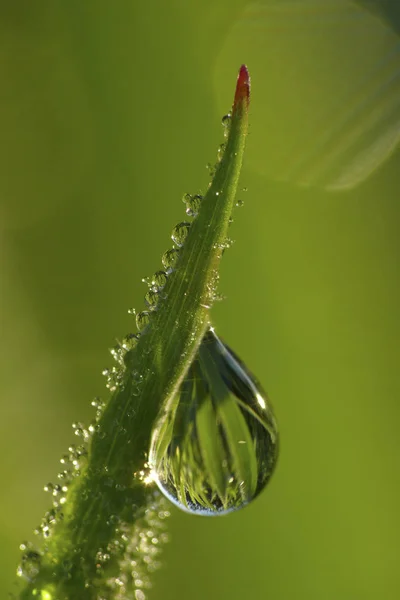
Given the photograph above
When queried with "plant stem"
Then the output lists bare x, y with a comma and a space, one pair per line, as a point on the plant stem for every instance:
99, 511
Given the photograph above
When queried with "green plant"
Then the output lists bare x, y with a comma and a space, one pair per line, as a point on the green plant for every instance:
95, 545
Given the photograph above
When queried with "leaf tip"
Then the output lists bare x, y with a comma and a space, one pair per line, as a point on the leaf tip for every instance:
242, 86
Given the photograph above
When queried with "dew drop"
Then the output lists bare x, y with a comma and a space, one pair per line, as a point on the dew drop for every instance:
151, 299
186, 198
226, 123
180, 232
130, 341
215, 449
226, 243
30, 564
221, 150
170, 258
239, 203
142, 319
98, 404
117, 353
159, 280
193, 205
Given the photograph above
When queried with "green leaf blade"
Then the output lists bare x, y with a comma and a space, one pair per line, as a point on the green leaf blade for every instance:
147, 381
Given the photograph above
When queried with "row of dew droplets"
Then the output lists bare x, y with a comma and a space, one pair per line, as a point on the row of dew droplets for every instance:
226, 123
213, 294
169, 261
227, 243
141, 551
31, 557
72, 464
144, 548
193, 204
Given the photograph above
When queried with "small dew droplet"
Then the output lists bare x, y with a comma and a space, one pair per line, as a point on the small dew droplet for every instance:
221, 150
130, 341
142, 319
170, 258
151, 299
193, 205
239, 203
180, 232
30, 563
159, 279
216, 449
186, 198
226, 123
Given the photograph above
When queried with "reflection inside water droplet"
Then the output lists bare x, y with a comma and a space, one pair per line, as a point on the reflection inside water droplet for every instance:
170, 258
142, 319
159, 279
193, 205
151, 299
216, 449
180, 232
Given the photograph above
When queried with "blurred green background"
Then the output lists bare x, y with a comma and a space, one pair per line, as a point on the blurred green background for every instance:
109, 112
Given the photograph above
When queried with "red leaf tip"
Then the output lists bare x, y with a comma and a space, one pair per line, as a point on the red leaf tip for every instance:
242, 86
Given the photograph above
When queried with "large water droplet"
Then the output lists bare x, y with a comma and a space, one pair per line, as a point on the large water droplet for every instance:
214, 451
